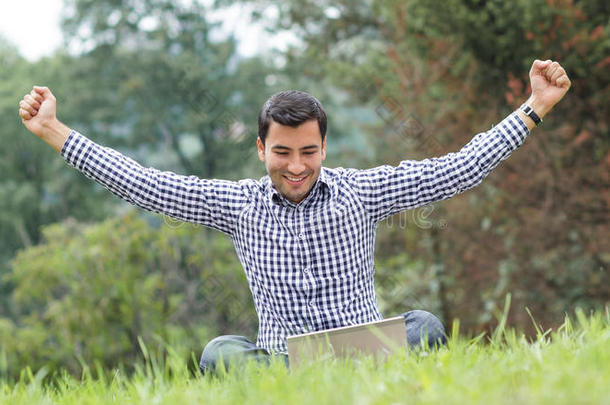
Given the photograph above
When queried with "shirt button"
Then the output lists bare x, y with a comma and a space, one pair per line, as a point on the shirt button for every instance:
311, 304
301, 236
306, 270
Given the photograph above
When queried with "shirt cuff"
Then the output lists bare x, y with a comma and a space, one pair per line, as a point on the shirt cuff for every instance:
76, 149
514, 130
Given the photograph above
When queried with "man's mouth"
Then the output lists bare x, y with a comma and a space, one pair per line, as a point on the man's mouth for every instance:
295, 181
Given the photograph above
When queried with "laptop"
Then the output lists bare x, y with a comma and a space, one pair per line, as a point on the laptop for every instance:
379, 338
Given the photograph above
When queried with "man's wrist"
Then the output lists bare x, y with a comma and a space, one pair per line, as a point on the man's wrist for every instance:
529, 111
55, 133
539, 108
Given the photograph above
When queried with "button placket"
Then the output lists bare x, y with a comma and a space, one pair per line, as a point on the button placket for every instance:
308, 279
298, 222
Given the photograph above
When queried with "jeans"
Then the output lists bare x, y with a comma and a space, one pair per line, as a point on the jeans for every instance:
234, 350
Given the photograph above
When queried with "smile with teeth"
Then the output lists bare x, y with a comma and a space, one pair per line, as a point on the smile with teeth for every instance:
295, 180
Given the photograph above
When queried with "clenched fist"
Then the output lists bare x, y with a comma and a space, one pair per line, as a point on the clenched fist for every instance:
37, 111
549, 82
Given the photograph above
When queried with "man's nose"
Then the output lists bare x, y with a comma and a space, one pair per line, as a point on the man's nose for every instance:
296, 166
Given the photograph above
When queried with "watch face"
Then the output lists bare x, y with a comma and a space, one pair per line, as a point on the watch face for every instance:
529, 111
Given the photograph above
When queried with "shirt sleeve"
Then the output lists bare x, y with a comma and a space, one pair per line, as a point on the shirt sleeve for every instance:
387, 190
213, 203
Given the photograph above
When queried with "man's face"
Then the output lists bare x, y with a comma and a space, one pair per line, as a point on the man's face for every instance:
293, 157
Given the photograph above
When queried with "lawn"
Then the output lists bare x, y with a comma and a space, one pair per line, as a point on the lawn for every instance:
570, 365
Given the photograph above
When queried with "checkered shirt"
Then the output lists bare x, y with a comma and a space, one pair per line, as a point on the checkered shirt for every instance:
309, 265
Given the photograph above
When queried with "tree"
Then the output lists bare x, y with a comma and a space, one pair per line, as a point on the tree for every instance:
166, 94
89, 292
35, 187
165, 86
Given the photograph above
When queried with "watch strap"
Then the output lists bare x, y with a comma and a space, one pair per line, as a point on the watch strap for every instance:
529, 111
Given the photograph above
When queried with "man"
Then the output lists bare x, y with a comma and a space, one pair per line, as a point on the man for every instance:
305, 233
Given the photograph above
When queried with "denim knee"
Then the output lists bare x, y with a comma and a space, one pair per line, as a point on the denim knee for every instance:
215, 349
421, 325
230, 349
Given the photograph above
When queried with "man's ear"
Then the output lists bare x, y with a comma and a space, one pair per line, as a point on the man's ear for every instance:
324, 149
261, 149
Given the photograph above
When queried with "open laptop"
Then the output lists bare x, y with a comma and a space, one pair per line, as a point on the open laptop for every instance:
378, 338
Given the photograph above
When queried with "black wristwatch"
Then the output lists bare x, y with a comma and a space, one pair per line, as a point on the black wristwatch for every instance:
529, 111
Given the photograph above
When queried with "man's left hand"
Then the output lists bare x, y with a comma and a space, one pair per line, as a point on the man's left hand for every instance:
549, 83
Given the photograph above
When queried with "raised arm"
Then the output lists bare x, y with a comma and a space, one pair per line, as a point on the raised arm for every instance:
387, 190
213, 203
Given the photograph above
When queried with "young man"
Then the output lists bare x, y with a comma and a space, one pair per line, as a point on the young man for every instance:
305, 233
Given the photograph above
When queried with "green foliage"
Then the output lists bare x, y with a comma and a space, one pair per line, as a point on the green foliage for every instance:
169, 96
567, 366
89, 292
164, 88
35, 187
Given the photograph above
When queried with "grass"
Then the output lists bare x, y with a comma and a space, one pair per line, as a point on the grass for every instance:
568, 366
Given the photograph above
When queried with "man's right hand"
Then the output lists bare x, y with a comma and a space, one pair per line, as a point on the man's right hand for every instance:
37, 111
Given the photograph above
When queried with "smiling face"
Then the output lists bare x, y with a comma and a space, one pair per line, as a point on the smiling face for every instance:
293, 157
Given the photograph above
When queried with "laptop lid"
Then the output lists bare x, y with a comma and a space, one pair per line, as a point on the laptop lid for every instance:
378, 338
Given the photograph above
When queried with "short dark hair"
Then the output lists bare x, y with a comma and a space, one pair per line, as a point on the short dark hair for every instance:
291, 108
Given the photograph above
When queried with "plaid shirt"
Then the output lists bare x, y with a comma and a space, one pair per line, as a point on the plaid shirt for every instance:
309, 265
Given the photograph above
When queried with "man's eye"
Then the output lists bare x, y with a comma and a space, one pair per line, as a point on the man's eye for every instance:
281, 153
308, 153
